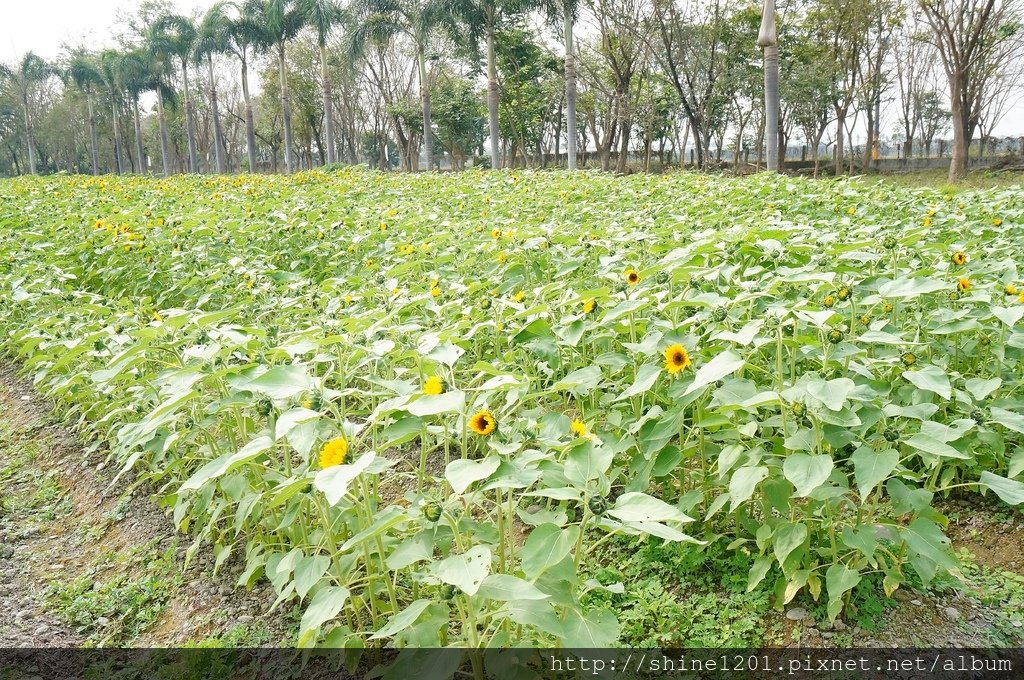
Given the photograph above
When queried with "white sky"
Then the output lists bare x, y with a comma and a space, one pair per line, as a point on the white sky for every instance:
44, 25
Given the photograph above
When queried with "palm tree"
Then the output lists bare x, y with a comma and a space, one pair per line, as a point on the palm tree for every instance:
212, 38
565, 12
31, 71
416, 19
322, 16
179, 35
160, 49
109, 67
86, 77
767, 39
485, 16
136, 69
283, 21
246, 36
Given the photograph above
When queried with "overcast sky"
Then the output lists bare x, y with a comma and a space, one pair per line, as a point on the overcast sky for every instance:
44, 25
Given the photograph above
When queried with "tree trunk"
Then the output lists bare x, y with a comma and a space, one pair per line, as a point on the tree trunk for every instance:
218, 133
570, 89
29, 138
840, 125
92, 136
286, 109
428, 127
492, 96
250, 128
190, 124
118, 142
165, 150
620, 164
958, 161
325, 83
767, 39
138, 136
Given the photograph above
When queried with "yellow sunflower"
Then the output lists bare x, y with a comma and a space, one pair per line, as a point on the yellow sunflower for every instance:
959, 258
963, 284
676, 358
589, 305
579, 428
632, 277
997, 222
433, 385
483, 423
334, 452
1011, 289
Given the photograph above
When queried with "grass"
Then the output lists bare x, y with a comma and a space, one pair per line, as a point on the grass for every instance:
676, 596
119, 597
938, 178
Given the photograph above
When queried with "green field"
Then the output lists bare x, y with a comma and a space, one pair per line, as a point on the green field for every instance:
451, 409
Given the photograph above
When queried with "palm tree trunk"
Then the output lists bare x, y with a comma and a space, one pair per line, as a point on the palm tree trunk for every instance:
30, 138
428, 135
286, 109
118, 141
768, 39
325, 80
190, 123
92, 136
250, 128
138, 136
165, 147
570, 89
218, 133
492, 96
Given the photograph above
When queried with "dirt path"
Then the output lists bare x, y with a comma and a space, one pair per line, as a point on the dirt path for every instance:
82, 563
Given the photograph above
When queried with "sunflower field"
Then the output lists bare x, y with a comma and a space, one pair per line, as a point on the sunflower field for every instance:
422, 406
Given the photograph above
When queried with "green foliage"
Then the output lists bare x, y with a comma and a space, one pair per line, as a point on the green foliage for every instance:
794, 370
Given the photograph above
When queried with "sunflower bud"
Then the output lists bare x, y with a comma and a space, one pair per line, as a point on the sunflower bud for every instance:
598, 505
835, 336
432, 511
891, 435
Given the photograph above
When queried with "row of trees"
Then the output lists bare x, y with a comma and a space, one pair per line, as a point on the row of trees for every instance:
590, 82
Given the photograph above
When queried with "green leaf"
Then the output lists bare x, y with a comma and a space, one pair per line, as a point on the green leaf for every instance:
325, 605
871, 468
807, 472
639, 507
831, 393
597, 629
433, 404
580, 382
281, 382
923, 442
926, 539
981, 388
546, 546
334, 481
402, 620
508, 588
725, 363
1008, 419
466, 571
1009, 315
220, 466
308, 572
932, 379
741, 486
788, 537
838, 580
909, 288
291, 418
645, 379
463, 472
1010, 490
